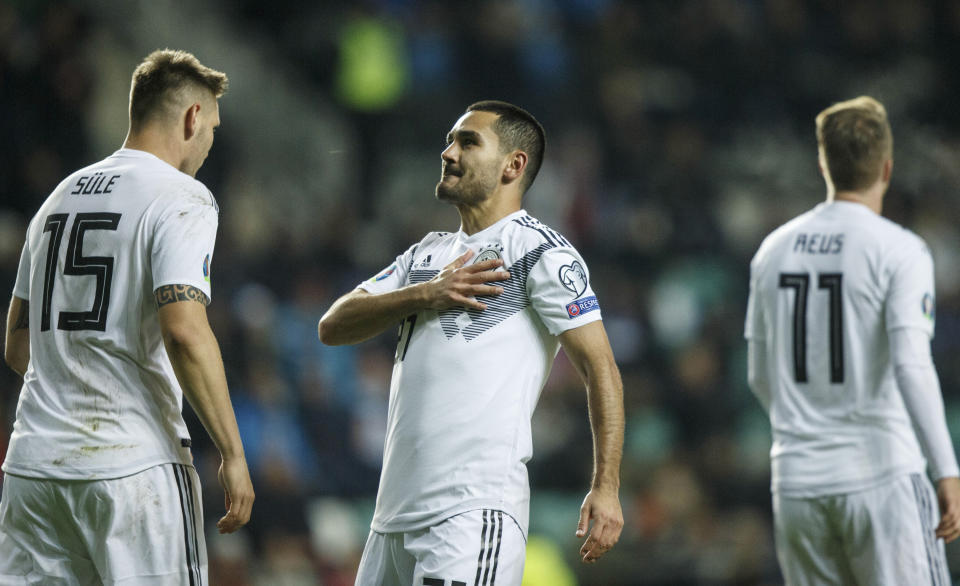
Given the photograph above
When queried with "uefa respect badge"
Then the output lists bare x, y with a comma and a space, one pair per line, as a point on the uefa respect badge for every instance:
579, 307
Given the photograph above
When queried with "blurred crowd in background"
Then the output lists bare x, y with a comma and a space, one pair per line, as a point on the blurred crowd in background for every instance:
679, 133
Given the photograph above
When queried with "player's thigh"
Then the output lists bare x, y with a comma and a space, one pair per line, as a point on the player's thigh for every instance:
809, 550
383, 561
890, 534
147, 528
482, 547
39, 541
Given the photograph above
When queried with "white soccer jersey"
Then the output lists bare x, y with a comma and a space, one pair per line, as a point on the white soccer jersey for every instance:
99, 398
825, 290
465, 382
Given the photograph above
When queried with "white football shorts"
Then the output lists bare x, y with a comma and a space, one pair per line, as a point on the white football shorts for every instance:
478, 548
880, 536
146, 528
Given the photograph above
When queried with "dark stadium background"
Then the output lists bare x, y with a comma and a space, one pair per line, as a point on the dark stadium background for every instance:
679, 133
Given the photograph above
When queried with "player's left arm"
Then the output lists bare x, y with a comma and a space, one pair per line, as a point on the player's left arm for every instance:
198, 365
919, 386
588, 349
909, 313
17, 349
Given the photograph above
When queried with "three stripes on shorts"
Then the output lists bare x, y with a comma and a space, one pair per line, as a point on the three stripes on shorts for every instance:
489, 548
188, 511
490, 538
935, 559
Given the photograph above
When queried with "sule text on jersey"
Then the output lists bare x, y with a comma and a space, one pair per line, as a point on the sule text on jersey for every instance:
95, 184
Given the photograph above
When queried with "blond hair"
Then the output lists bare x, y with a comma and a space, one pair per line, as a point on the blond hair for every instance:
855, 140
160, 80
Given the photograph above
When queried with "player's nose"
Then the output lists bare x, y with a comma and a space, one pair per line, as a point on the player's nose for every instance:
451, 153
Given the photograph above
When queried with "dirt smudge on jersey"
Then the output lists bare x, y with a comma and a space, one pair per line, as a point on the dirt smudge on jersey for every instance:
90, 450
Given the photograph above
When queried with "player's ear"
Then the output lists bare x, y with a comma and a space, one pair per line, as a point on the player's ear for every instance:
516, 163
191, 121
822, 163
887, 170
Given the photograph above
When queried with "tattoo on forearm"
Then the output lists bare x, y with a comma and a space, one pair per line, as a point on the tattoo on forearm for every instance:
23, 318
173, 293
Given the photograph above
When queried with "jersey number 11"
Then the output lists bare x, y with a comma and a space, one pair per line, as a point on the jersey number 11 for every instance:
800, 283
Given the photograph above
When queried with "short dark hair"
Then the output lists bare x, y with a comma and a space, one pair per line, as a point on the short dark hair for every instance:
855, 139
516, 129
161, 76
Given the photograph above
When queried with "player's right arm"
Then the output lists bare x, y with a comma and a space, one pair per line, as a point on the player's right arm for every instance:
195, 356
361, 315
17, 349
754, 332
757, 378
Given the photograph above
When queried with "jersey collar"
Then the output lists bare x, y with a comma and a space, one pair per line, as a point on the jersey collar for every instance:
844, 205
491, 229
138, 154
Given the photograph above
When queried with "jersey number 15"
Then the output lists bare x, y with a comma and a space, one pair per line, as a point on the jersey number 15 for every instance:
800, 283
76, 264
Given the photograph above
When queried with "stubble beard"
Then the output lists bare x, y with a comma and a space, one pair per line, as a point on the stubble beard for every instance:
467, 193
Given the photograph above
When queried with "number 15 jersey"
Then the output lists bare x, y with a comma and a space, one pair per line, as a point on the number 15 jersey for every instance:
825, 290
99, 397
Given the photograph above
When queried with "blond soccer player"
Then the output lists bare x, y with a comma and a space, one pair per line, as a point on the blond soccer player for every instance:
839, 322
108, 327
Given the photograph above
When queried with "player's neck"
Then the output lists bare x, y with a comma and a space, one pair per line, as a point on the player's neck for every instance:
872, 198
155, 143
474, 218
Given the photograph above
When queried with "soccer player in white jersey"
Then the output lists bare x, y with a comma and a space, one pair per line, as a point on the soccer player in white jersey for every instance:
108, 327
482, 313
838, 325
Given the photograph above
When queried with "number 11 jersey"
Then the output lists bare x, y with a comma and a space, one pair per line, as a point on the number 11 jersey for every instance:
825, 290
99, 397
